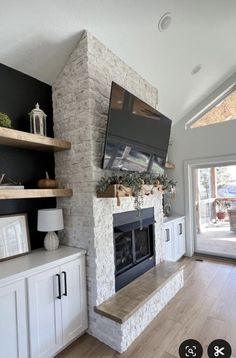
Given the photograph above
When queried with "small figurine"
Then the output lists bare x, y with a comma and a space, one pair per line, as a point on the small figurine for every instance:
38, 121
47, 183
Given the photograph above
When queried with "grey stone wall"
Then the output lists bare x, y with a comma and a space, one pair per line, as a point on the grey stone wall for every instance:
80, 103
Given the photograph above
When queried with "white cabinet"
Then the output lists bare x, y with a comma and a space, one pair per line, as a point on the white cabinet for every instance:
57, 307
173, 236
42, 302
74, 311
167, 235
179, 238
45, 325
13, 321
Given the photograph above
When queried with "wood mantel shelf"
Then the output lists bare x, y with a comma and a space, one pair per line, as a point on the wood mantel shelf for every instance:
34, 193
15, 138
169, 165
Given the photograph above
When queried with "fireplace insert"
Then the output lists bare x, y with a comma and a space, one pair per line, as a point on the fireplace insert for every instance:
134, 245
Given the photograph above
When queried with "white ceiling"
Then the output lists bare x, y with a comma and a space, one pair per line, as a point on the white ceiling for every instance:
36, 37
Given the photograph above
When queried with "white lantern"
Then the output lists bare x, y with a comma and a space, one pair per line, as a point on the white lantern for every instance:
38, 121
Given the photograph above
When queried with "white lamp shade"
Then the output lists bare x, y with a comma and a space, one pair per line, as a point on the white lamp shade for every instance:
50, 220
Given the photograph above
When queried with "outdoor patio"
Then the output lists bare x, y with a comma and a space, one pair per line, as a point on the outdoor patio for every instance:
217, 239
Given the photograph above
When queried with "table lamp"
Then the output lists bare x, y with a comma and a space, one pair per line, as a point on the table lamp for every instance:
50, 220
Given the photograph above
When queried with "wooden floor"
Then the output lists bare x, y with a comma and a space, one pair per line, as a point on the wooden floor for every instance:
205, 309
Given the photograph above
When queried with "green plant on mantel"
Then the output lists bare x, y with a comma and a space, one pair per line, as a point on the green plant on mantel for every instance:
135, 181
5, 121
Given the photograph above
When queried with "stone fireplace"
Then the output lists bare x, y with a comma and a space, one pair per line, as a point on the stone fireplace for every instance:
80, 105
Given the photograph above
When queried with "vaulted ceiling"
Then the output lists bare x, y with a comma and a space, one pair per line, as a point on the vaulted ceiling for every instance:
36, 37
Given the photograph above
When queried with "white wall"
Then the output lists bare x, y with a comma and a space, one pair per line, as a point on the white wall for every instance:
209, 141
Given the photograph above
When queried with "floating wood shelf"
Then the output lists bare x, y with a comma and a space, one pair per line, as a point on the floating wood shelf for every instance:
119, 190
19, 139
34, 193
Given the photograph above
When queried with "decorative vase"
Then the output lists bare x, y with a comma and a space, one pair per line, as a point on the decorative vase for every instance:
221, 215
51, 241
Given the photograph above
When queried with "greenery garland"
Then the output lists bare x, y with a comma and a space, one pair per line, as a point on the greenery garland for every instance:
135, 181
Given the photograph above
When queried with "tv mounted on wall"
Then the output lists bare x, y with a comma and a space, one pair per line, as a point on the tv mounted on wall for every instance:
137, 135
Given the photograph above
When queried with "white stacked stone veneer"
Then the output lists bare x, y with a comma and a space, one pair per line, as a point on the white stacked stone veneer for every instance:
80, 104
121, 336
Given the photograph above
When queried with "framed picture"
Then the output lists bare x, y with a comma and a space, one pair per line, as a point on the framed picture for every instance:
14, 236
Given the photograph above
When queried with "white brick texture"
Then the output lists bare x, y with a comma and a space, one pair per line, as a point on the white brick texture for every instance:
80, 105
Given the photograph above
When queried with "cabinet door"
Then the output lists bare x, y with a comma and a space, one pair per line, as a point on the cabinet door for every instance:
168, 242
74, 306
179, 229
13, 322
45, 313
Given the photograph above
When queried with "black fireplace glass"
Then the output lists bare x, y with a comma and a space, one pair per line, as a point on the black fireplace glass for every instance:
142, 243
124, 250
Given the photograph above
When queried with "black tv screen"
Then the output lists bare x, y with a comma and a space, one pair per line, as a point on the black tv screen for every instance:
137, 135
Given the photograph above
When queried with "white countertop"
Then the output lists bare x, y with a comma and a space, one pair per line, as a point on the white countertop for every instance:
27, 265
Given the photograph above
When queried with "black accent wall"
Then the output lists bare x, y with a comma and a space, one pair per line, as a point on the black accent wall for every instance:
18, 95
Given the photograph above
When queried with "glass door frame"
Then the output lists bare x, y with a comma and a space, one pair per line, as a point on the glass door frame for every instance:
190, 196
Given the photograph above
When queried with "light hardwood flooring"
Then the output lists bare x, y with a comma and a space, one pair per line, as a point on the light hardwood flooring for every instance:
205, 309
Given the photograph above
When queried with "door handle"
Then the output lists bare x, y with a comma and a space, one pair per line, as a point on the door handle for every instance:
59, 286
65, 283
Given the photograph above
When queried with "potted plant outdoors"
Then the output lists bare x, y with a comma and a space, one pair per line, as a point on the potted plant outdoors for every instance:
222, 207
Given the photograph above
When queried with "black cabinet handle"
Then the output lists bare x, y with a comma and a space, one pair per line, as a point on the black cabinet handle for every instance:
65, 283
59, 286
167, 235
180, 229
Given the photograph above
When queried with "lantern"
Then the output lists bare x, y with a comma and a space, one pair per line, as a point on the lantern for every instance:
38, 121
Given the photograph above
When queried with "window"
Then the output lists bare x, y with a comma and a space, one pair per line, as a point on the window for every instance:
224, 109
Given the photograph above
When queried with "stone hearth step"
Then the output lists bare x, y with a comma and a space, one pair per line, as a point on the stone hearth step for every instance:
129, 299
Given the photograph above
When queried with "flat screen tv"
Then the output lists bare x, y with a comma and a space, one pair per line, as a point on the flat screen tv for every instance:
137, 135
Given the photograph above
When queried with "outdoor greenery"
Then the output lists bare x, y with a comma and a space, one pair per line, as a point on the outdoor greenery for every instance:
222, 205
223, 175
5, 121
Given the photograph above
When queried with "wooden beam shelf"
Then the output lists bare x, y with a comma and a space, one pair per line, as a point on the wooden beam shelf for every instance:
169, 165
34, 193
19, 139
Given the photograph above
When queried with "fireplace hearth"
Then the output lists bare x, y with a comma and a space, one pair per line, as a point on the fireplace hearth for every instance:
133, 244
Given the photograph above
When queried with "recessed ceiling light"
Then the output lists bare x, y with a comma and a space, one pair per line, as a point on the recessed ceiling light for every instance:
196, 69
164, 21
